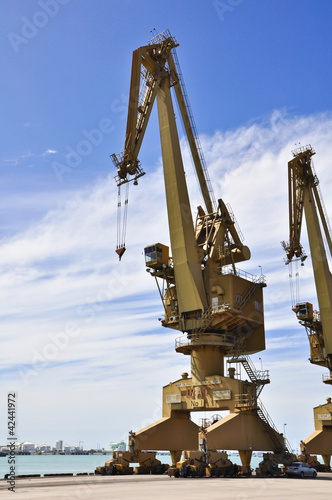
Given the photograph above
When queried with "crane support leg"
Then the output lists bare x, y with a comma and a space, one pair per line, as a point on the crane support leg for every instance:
319, 442
174, 433
243, 431
326, 460
245, 456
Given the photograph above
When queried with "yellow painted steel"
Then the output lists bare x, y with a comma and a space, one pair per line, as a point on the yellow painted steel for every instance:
191, 294
304, 196
320, 441
242, 431
218, 307
323, 278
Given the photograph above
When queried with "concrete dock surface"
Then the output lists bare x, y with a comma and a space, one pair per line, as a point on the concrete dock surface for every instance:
164, 487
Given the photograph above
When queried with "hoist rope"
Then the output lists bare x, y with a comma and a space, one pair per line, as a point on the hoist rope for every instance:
125, 212
294, 282
122, 219
297, 282
290, 275
118, 219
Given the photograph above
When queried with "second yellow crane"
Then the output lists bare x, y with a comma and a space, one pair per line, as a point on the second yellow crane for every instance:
304, 196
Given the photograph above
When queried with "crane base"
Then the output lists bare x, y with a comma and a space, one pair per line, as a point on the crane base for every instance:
175, 434
244, 431
319, 443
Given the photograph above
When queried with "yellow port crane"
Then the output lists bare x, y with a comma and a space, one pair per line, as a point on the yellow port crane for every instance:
304, 196
218, 308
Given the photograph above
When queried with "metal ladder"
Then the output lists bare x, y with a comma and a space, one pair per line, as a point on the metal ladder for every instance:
259, 378
271, 429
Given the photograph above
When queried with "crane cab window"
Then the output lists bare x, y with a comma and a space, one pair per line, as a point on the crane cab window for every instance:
304, 310
156, 255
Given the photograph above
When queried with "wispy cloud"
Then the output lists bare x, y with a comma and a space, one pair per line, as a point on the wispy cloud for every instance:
16, 160
49, 152
80, 326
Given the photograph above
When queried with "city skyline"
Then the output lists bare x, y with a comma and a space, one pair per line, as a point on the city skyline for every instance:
59, 445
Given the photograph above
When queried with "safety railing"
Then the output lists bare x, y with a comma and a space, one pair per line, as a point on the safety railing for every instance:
205, 339
326, 376
244, 274
245, 401
160, 37
267, 417
262, 374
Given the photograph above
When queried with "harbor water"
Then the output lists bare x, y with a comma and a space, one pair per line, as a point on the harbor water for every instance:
76, 464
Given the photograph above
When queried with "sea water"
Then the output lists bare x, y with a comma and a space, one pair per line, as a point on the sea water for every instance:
56, 464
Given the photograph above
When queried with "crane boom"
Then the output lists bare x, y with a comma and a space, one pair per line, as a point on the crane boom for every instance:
149, 66
196, 277
192, 135
304, 196
186, 254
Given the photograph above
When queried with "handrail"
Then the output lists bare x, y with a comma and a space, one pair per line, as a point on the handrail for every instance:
244, 274
288, 445
237, 227
263, 374
245, 401
205, 338
259, 374
266, 415
164, 35
302, 149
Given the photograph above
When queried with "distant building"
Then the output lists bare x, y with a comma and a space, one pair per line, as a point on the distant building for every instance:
121, 446
43, 448
28, 446
59, 445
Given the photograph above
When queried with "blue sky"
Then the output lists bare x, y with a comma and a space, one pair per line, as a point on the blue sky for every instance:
80, 331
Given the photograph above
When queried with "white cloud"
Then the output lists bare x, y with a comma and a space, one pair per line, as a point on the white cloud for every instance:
15, 161
86, 325
49, 152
